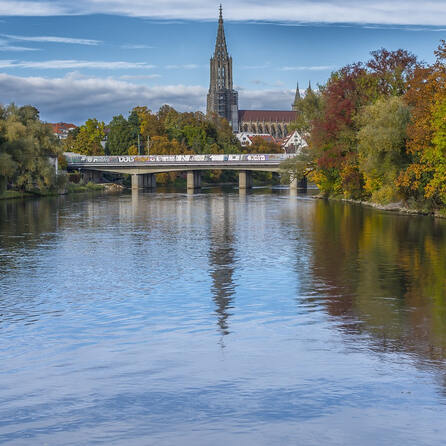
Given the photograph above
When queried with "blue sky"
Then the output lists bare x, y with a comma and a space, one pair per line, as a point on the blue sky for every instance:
100, 58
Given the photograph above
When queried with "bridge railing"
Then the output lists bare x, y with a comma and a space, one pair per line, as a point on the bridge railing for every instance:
74, 158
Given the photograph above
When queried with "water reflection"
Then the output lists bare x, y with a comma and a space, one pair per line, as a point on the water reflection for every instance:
386, 277
222, 258
114, 310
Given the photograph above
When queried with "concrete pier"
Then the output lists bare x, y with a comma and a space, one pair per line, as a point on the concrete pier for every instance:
298, 184
244, 179
193, 179
143, 181
92, 176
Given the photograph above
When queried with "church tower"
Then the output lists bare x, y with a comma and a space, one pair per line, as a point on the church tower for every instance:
222, 98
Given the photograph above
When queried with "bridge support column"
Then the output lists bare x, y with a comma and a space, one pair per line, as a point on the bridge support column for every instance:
296, 184
244, 179
143, 181
92, 176
193, 179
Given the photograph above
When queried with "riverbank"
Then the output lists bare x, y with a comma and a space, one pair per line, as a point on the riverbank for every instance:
13, 194
398, 207
71, 188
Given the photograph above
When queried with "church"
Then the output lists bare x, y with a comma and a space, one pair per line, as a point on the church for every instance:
222, 99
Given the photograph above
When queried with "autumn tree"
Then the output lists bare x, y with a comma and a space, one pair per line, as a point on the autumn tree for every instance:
90, 137
263, 145
425, 177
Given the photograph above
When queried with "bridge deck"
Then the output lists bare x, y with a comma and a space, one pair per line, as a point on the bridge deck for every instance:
169, 163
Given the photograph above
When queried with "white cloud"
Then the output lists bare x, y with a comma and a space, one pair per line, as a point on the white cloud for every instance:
53, 39
401, 12
31, 8
272, 99
73, 65
76, 98
6, 46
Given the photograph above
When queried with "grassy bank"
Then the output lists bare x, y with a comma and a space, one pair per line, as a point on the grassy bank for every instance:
11, 194
79, 188
70, 188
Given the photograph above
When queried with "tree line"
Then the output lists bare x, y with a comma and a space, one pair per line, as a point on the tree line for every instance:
164, 132
377, 131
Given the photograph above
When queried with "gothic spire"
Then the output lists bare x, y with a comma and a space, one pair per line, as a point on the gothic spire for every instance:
297, 98
221, 50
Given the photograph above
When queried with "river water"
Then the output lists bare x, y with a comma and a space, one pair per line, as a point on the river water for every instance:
220, 319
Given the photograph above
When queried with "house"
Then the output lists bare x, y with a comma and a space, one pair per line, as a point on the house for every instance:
293, 143
62, 129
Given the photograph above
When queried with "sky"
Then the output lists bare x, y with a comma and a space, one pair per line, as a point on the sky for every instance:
100, 58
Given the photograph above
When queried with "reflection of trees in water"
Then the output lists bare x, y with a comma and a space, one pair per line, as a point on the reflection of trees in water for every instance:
387, 276
25, 224
221, 259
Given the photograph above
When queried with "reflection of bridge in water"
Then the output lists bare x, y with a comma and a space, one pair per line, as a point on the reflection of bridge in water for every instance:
143, 168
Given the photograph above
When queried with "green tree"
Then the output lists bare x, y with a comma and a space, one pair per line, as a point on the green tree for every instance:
308, 109
90, 138
120, 136
26, 144
381, 146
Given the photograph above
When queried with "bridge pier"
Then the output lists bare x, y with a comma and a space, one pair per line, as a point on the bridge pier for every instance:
143, 181
296, 184
92, 176
193, 179
244, 179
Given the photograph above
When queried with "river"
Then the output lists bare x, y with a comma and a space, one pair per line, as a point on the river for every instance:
220, 319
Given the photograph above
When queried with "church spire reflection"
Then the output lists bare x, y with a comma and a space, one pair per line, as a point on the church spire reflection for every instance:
222, 261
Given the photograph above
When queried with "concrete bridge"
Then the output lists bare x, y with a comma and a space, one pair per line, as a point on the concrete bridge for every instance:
143, 168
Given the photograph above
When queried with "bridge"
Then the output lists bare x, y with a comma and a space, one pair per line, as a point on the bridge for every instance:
143, 168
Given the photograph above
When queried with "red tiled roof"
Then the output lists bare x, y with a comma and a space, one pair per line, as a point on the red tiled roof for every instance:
57, 128
266, 115
267, 138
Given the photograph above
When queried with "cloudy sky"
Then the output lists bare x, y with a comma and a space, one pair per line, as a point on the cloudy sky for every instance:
99, 58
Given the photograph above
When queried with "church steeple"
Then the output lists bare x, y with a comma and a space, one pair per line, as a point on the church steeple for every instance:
222, 99
220, 44
221, 63
297, 99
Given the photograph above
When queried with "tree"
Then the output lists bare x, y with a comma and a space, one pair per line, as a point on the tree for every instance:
90, 138
120, 136
381, 146
424, 178
262, 145
391, 70
7, 169
308, 109
26, 144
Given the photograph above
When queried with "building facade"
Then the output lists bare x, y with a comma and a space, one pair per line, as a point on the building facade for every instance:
222, 99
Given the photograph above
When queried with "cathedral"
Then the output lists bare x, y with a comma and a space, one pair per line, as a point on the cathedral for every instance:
222, 99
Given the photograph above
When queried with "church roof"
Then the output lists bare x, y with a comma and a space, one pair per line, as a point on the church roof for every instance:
267, 115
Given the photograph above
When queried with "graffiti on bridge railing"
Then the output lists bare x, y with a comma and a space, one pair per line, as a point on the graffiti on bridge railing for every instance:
126, 159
